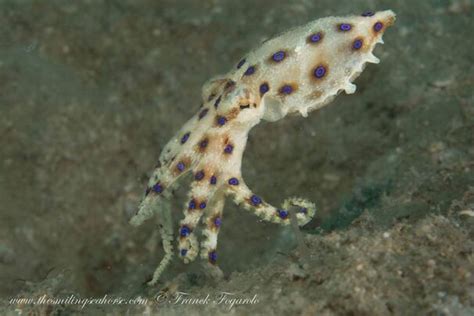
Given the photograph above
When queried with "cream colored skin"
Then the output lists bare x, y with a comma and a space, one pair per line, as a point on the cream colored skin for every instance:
243, 105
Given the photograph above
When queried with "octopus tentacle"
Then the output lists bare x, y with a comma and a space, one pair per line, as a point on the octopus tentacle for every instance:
213, 222
200, 196
166, 231
243, 196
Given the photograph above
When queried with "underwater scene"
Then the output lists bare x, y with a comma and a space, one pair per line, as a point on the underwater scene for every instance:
206, 157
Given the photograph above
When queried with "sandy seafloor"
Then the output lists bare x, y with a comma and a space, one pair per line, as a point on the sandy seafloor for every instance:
90, 92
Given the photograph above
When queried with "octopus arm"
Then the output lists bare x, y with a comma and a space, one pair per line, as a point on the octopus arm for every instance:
244, 197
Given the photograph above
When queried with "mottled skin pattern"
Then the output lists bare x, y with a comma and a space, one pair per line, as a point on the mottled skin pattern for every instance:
297, 72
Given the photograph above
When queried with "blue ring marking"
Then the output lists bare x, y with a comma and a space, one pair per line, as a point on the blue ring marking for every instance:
213, 180
216, 104
256, 200
264, 88
213, 256
378, 26
221, 120
199, 175
203, 143
218, 222
192, 204
357, 44
228, 149
282, 214
319, 71
185, 137
250, 71
183, 252
233, 181
185, 231
286, 89
316, 37
180, 166
241, 63
202, 205
158, 188
345, 27
203, 113
279, 56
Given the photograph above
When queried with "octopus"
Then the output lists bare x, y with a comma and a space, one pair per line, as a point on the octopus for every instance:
296, 72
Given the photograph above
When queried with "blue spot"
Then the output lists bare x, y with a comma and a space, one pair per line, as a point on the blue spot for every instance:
185, 137
199, 175
218, 222
203, 113
368, 13
183, 252
185, 231
319, 71
357, 44
203, 143
180, 166
216, 104
249, 71
221, 120
264, 88
286, 89
213, 256
316, 37
278, 56
241, 63
228, 149
192, 204
158, 188
283, 214
378, 26
233, 181
304, 210
345, 27
202, 205
256, 200
213, 180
